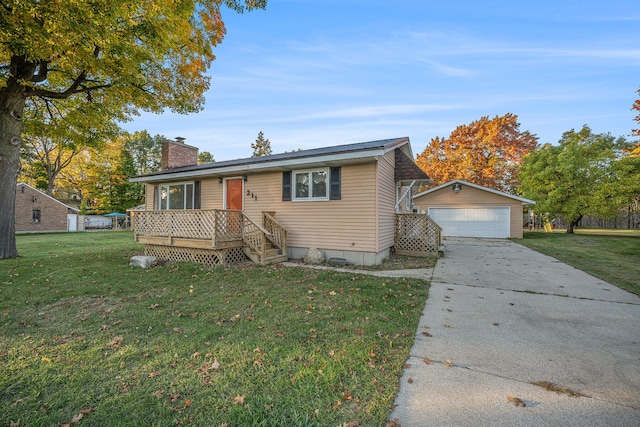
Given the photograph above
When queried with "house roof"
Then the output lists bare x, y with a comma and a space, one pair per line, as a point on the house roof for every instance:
479, 187
407, 171
46, 195
328, 156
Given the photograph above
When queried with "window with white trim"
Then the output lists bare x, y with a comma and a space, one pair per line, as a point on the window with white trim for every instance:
176, 196
311, 185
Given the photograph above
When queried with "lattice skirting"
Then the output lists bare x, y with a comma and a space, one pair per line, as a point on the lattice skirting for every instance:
415, 247
201, 256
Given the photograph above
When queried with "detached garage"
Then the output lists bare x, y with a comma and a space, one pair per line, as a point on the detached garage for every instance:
464, 209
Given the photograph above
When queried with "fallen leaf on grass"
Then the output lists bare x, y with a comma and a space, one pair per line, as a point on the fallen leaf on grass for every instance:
116, 342
393, 423
78, 417
239, 400
516, 401
19, 401
152, 306
158, 393
174, 397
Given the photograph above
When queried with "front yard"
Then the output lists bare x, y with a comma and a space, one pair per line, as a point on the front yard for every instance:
85, 339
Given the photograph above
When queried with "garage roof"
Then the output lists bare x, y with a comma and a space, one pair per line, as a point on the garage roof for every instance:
479, 187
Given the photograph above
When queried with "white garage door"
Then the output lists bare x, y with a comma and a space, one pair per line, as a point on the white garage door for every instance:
473, 222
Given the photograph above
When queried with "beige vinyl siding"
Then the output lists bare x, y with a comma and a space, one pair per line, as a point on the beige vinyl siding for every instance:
148, 200
349, 224
386, 200
473, 197
346, 224
211, 194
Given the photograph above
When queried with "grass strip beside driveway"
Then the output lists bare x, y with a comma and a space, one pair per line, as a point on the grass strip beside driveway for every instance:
614, 259
85, 336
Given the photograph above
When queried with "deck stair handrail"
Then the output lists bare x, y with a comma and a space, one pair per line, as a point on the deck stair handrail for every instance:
255, 237
277, 232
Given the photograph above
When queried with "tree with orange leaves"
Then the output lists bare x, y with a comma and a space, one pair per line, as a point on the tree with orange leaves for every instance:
636, 106
487, 152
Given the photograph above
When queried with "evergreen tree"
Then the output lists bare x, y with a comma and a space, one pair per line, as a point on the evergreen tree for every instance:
262, 147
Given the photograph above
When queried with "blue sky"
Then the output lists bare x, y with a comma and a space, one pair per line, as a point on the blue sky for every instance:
328, 72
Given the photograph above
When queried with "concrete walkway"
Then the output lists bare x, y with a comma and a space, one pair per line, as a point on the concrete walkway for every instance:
501, 317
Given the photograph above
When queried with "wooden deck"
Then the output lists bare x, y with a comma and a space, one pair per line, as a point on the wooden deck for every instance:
216, 236
211, 236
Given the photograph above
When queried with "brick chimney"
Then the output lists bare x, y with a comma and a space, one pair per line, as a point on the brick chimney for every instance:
176, 154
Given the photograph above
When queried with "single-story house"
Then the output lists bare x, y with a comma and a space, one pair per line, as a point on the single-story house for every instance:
36, 211
341, 200
464, 209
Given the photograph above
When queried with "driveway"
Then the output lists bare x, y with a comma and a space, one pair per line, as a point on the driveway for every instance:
501, 317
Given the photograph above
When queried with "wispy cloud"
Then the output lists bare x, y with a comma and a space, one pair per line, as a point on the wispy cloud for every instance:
355, 77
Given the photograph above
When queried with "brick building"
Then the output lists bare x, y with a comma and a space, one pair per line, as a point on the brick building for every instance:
38, 212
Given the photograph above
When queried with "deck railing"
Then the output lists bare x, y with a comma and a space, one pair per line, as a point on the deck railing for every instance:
277, 232
417, 235
210, 228
186, 224
255, 237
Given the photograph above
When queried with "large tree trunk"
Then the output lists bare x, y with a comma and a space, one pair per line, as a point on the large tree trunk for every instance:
12, 102
573, 224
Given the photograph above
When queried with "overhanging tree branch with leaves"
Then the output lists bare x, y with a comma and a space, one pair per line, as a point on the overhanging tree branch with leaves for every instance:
123, 55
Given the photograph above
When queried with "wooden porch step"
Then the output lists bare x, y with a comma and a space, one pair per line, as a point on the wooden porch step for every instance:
276, 259
272, 256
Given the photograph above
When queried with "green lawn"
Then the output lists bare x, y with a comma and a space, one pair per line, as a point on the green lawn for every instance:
86, 338
613, 257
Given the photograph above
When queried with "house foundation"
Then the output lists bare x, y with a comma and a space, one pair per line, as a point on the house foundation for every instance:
353, 257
